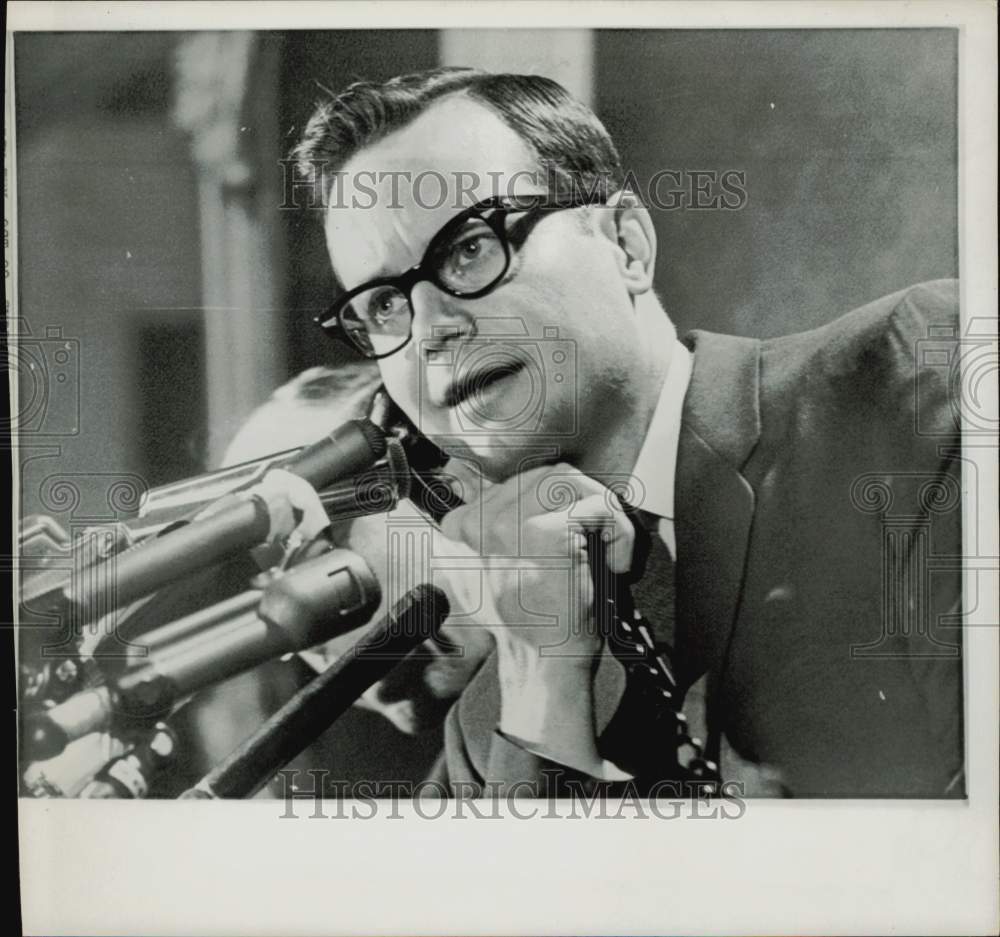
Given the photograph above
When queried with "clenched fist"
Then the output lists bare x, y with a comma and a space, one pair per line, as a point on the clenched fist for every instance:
530, 533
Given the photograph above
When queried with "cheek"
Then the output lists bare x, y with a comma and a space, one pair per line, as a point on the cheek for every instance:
588, 302
401, 377
575, 273
595, 275
405, 380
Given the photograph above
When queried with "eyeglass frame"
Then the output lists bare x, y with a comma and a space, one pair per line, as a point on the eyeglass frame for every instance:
501, 206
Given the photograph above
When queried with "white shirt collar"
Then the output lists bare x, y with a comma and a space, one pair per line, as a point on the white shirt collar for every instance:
657, 463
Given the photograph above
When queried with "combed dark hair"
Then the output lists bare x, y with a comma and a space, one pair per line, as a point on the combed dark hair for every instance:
566, 137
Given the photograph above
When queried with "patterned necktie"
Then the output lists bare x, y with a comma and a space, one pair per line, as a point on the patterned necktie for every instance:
641, 737
654, 593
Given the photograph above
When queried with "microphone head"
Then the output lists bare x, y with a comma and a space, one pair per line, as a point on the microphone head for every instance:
321, 598
351, 448
373, 436
424, 608
399, 466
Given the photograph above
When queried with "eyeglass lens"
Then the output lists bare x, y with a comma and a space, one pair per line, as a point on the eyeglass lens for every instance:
472, 259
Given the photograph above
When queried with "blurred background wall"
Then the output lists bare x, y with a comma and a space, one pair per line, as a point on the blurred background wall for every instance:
158, 275
109, 256
848, 140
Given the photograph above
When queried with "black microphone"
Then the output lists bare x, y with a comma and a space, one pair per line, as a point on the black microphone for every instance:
430, 487
311, 603
415, 618
234, 523
349, 449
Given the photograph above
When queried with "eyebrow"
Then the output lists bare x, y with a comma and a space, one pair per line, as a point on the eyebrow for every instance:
384, 272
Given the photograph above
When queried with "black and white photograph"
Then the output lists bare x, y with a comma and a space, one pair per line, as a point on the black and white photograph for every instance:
429, 423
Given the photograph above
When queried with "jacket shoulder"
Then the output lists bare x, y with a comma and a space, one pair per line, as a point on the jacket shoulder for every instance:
896, 356
916, 312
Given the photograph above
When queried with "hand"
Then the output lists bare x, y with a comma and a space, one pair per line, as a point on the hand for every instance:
529, 531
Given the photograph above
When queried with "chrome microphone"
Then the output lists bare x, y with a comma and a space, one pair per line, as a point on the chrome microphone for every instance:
221, 514
311, 603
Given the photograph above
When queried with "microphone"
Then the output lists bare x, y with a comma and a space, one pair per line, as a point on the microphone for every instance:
415, 618
429, 486
317, 600
349, 449
167, 504
236, 522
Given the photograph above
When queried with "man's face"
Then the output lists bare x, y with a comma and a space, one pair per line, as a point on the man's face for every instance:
545, 352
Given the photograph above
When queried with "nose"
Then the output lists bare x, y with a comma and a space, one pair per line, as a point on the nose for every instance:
438, 319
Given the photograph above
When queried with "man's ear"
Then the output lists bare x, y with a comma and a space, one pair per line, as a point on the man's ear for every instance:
625, 222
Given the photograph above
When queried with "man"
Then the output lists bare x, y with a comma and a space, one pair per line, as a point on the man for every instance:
753, 463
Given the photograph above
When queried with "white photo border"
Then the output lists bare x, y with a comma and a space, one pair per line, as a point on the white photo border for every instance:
812, 867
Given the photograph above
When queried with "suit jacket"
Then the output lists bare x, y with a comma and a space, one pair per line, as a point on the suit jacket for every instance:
818, 530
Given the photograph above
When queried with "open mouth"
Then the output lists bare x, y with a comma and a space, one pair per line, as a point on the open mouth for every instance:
478, 379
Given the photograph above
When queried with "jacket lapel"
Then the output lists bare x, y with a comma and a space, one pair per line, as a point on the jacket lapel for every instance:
714, 503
